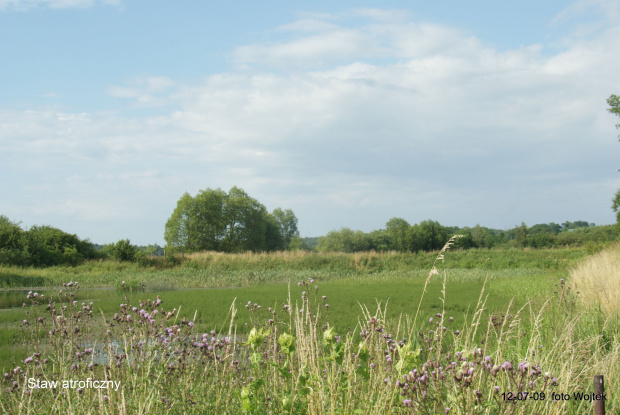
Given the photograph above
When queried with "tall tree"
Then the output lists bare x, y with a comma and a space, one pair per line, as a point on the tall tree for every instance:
398, 232
220, 221
614, 108
287, 222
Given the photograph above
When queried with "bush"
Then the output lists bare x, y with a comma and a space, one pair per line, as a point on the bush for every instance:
123, 250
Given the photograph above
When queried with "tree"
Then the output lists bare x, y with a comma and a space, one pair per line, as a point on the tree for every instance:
13, 243
614, 107
397, 230
616, 206
287, 222
344, 240
432, 235
230, 222
122, 250
521, 235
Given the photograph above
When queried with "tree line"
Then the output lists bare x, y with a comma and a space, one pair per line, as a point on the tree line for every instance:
215, 220
41, 246
430, 235
45, 246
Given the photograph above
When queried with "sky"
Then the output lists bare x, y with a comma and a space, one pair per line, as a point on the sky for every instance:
489, 112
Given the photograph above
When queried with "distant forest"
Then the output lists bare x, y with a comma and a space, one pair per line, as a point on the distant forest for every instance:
42, 246
430, 235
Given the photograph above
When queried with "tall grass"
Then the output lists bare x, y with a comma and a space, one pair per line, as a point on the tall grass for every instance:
213, 269
598, 280
295, 361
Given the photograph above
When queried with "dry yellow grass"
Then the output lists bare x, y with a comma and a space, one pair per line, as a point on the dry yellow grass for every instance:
597, 280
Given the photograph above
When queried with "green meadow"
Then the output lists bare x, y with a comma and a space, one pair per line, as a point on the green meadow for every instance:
373, 317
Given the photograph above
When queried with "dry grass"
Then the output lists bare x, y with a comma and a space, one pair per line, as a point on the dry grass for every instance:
597, 280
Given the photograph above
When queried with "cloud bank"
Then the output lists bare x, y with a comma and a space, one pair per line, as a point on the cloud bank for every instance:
348, 125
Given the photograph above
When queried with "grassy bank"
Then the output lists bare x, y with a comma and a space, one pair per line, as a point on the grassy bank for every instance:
210, 269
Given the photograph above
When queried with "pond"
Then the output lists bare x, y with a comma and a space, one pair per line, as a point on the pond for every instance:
16, 298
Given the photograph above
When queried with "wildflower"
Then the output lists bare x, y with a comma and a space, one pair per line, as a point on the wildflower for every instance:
28, 360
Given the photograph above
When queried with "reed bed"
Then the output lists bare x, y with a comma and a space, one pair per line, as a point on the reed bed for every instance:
598, 281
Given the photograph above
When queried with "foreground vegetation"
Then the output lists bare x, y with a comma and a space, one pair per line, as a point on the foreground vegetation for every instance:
295, 357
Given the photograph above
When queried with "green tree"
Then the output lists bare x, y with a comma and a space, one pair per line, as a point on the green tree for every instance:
197, 223
432, 235
298, 244
344, 240
616, 205
397, 230
614, 107
230, 222
287, 222
246, 223
521, 235
13, 243
51, 246
123, 250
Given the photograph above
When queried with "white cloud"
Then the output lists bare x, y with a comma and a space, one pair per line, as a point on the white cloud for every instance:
146, 91
392, 118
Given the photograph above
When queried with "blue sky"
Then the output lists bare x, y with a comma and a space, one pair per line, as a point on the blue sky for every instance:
349, 113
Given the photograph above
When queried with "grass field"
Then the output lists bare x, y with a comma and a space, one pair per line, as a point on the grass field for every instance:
387, 337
